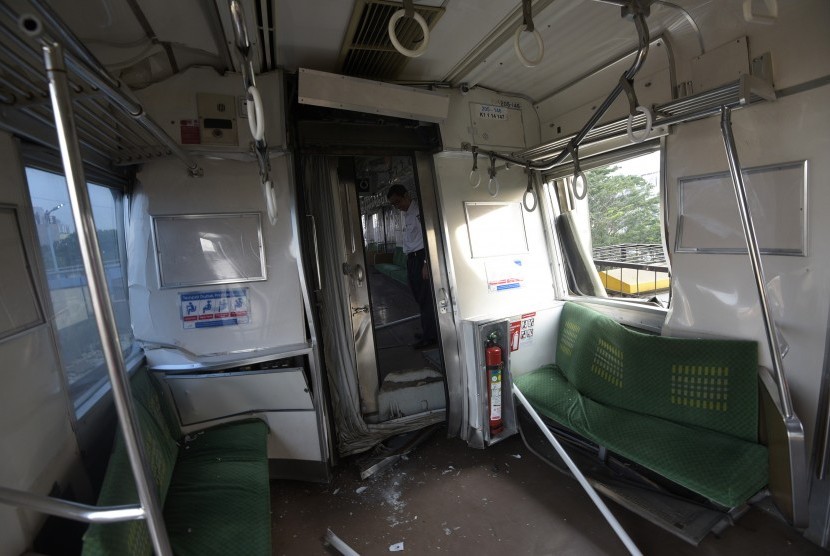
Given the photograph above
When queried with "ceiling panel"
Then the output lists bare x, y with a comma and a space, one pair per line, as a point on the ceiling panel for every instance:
181, 22
464, 25
310, 33
579, 35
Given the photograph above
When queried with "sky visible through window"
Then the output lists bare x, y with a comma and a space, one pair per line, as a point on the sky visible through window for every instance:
49, 190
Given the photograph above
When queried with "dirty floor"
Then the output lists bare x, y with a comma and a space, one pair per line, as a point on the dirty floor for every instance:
446, 498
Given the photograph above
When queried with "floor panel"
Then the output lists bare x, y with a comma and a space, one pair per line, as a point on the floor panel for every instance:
448, 498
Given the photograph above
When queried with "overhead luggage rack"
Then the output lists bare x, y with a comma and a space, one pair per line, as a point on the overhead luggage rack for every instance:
746, 90
113, 128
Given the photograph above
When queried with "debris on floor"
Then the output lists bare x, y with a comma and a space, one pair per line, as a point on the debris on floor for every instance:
397, 547
337, 543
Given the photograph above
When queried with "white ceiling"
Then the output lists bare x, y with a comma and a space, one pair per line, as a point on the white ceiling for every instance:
579, 36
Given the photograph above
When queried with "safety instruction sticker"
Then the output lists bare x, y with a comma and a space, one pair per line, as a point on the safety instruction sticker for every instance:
504, 273
521, 331
215, 308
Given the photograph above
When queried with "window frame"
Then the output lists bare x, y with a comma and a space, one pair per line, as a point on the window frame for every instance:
48, 160
638, 313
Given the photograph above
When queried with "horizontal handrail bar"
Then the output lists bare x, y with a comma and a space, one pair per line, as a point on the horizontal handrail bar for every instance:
70, 510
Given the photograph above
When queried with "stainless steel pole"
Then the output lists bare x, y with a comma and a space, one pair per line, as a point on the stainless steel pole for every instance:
104, 316
579, 476
70, 510
92, 72
755, 258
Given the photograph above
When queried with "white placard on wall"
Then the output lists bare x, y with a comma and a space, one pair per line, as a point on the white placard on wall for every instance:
709, 221
495, 228
201, 249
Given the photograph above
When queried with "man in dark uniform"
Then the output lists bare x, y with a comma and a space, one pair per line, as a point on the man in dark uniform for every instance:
417, 272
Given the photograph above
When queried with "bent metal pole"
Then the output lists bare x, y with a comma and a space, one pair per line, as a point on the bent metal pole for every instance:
755, 258
580, 477
104, 316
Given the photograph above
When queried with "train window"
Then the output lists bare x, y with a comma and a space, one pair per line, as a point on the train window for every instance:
80, 346
616, 245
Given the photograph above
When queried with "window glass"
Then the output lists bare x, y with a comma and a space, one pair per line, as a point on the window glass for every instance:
74, 320
619, 225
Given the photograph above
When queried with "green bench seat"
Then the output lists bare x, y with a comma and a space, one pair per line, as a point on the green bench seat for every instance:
213, 483
395, 269
686, 409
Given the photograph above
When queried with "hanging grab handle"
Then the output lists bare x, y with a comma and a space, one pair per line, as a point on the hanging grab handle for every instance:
578, 173
256, 116
493, 184
627, 84
527, 25
475, 175
646, 132
530, 191
270, 200
408, 11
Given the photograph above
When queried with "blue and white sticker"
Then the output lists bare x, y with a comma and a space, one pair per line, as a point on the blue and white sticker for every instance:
229, 307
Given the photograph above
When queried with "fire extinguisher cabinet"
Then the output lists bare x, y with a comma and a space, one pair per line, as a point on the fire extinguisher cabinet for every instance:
479, 386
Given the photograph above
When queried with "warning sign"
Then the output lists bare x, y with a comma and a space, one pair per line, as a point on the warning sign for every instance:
216, 308
190, 132
515, 330
521, 331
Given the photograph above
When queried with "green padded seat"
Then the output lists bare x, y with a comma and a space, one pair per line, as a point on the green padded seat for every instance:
399, 274
399, 258
213, 485
386, 268
217, 484
684, 408
721, 468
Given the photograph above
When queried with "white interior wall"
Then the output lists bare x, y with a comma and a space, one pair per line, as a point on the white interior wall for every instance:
227, 187
36, 437
474, 300
716, 294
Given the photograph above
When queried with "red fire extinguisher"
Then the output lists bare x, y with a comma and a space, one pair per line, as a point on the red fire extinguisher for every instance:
494, 367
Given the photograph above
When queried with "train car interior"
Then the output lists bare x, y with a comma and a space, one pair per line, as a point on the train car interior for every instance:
371, 276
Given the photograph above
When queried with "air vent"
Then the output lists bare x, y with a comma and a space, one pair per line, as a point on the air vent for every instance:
368, 52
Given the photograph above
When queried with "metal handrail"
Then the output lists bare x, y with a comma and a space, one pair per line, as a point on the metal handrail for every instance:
573, 144
243, 46
99, 293
89, 70
755, 259
71, 510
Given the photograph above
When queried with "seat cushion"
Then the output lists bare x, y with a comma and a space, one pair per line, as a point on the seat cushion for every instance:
219, 498
386, 268
550, 394
705, 383
131, 537
720, 467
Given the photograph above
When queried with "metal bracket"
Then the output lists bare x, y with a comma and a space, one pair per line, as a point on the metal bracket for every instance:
573, 149
492, 170
636, 7
527, 15
628, 88
409, 8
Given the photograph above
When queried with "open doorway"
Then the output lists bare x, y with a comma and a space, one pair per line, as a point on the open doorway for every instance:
382, 383
410, 368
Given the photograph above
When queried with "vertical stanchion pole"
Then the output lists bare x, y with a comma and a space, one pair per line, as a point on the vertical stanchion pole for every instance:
104, 316
755, 258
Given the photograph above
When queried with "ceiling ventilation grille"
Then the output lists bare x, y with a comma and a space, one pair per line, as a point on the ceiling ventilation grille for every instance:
368, 52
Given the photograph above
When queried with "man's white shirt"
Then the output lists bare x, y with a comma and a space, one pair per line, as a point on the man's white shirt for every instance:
413, 239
